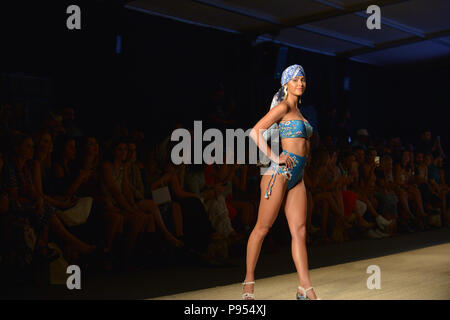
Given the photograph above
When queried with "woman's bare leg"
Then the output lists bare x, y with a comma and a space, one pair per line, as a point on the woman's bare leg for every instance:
267, 213
134, 224
177, 219
150, 207
69, 238
113, 224
295, 209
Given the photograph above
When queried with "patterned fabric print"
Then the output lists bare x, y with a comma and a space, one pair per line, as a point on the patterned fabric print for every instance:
291, 72
295, 129
285, 171
293, 175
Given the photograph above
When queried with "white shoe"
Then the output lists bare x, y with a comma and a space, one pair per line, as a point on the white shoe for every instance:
383, 223
372, 234
381, 233
304, 296
248, 295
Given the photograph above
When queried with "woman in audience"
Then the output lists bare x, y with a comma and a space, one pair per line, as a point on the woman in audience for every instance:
437, 182
197, 229
55, 183
88, 172
366, 196
43, 156
116, 197
406, 217
431, 198
25, 193
404, 176
148, 205
385, 200
317, 176
226, 174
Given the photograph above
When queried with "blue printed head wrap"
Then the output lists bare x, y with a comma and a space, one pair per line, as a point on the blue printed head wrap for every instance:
289, 73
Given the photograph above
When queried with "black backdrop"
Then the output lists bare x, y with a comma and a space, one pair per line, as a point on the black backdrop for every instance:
169, 69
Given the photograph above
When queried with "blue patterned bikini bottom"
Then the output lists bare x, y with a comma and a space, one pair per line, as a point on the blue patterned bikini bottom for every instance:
293, 175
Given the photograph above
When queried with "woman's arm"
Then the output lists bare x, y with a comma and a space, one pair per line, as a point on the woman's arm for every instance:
107, 177
178, 190
126, 188
256, 134
161, 182
81, 178
397, 175
37, 184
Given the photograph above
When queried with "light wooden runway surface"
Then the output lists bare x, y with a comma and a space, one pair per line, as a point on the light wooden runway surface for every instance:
411, 275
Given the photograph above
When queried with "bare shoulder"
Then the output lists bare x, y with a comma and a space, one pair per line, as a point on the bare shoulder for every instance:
282, 107
279, 111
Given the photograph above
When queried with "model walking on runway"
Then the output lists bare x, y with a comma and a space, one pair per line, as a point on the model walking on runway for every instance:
289, 190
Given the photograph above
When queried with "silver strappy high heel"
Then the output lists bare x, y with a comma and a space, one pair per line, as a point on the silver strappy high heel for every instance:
304, 296
248, 295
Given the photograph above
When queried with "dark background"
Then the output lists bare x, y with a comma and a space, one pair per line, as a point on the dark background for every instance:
168, 69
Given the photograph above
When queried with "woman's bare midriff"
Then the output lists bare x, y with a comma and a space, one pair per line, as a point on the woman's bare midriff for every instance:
299, 146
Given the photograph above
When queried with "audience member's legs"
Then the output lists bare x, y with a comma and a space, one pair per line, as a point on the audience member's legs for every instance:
150, 207
414, 193
113, 226
177, 219
68, 238
134, 224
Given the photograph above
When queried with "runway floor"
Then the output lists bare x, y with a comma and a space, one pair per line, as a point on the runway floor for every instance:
422, 274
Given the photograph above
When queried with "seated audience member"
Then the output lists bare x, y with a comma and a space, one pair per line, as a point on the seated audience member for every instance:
58, 183
148, 205
428, 144
66, 180
323, 192
437, 182
238, 206
366, 195
355, 207
117, 197
197, 229
386, 201
431, 199
221, 212
406, 217
87, 184
212, 196
404, 178
27, 200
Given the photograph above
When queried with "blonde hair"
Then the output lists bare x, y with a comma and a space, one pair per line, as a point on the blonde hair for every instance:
285, 92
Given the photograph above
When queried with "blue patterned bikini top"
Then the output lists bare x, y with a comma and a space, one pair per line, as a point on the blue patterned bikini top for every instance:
295, 129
